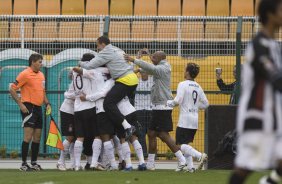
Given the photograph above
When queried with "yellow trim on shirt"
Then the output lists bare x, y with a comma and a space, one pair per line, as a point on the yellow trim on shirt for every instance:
129, 80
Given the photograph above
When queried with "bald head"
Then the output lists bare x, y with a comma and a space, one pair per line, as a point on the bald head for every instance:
158, 56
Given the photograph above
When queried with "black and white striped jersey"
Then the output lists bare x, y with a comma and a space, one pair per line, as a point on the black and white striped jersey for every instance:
260, 104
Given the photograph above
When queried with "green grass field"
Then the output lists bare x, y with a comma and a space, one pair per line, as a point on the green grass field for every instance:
135, 177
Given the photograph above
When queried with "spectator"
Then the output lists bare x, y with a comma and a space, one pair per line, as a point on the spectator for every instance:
227, 87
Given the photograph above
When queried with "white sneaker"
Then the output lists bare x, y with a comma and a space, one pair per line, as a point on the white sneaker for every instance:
263, 180
99, 167
180, 167
202, 161
78, 168
151, 166
61, 167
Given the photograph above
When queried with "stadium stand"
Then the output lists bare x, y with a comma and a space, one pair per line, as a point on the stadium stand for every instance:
91, 30
97, 7
46, 31
121, 7
193, 8
4, 30
73, 7
191, 30
217, 8
70, 31
27, 7
15, 30
167, 30
169, 8
120, 30
6, 7
49, 7
145, 7
242, 8
147, 33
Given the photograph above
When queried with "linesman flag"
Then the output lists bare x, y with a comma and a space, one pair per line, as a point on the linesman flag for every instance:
54, 138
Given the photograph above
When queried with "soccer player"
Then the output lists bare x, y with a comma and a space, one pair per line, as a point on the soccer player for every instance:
104, 124
190, 98
259, 113
31, 81
126, 80
85, 115
67, 127
161, 123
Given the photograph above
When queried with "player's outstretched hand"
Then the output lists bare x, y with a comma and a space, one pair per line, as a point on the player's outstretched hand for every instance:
128, 58
78, 70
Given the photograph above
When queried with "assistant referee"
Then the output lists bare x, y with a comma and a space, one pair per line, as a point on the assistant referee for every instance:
31, 83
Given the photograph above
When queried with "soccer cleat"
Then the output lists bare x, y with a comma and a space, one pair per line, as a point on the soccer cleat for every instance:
112, 168
151, 166
87, 167
25, 167
263, 180
128, 169
180, 167
202, 161
142, 167
192, 170
61, 167
99, 167
78, 168
122, 165
129, 132
36, 167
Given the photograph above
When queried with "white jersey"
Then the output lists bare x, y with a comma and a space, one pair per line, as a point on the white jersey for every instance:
104, 86
86, 84
190, 97
68, 103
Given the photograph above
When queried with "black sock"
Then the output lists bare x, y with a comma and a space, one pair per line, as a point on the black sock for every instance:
34, 152
236, 179
25, 146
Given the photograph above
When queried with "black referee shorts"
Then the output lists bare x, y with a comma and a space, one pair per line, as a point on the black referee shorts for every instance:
161, 121
67, 124
33, 119
185, 135
85, 124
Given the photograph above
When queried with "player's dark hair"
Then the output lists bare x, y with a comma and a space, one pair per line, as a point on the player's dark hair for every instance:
193, 69
33, 58
104, 39
265, 7
87, 57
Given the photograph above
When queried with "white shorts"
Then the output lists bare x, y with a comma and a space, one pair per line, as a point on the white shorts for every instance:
257, 150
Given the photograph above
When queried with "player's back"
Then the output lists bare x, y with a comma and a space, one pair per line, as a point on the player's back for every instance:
193, 98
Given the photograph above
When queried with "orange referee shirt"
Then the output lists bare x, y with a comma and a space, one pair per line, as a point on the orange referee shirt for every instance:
32, 86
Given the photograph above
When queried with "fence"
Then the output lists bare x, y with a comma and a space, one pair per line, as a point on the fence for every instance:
211, 42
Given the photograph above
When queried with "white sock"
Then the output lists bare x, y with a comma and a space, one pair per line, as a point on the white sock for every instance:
180, 157
118, 148
189, 150
78, 146
275, 176
139, 151
72, 160
189, 161
109, 151
96, 147
126, 153
89, 159
64, 152
151, 158
105, 160
125, 124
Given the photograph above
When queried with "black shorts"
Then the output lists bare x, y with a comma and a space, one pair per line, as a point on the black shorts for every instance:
33, 119
67, 124
161, 121
104, 124
132, 120
85, 124
185, 135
